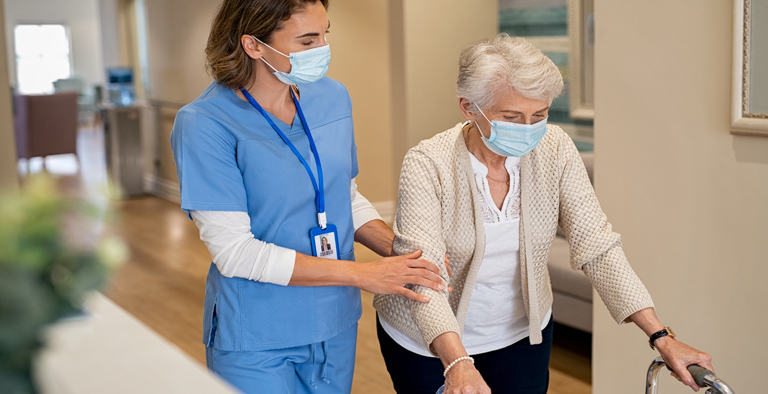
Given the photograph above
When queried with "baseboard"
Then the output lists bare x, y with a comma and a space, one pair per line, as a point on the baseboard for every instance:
387, 210
162, 188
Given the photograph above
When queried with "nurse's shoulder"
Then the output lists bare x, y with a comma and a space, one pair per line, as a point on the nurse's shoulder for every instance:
326, 97
201, 121
216, 101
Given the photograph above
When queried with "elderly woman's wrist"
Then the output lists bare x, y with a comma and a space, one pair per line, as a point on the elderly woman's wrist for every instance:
459, 365
663, 342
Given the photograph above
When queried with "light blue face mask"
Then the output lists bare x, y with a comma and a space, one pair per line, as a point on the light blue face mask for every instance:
306, 66
512, 139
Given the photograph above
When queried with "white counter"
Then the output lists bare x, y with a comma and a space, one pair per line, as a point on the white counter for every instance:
110, 351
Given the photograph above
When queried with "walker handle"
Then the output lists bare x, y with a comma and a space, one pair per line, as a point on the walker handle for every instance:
698, 373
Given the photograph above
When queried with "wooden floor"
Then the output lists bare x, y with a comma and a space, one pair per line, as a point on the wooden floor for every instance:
163, 285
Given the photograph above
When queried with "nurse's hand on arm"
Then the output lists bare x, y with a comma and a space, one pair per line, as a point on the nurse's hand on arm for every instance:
237, 253
378, 237
388, 275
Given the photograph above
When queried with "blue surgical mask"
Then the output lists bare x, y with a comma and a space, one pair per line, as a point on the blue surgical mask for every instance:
512, 139
306, 66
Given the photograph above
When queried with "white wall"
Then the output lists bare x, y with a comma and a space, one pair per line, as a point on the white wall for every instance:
178, 32
360, 49
111, 25
689, 198
82, 17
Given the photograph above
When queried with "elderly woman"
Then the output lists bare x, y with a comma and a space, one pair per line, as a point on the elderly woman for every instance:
490, 193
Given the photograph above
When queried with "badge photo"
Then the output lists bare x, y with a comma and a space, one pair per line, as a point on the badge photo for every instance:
325, 243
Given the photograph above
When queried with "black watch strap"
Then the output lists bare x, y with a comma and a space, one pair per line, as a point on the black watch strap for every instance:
658, 334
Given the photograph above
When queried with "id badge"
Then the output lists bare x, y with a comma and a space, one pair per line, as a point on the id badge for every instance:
325, 243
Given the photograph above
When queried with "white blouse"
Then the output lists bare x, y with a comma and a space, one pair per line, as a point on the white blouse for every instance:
496, 316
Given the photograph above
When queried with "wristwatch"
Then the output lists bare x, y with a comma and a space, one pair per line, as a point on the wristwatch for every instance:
658, 334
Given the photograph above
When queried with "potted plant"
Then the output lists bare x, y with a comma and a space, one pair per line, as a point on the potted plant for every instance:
52, 253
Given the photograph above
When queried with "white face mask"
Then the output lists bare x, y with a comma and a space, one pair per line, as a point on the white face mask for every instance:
306, 66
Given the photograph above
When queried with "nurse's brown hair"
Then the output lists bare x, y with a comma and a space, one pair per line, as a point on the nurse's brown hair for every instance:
226, 59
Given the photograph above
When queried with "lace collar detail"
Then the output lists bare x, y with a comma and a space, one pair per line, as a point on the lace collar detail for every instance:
510, 209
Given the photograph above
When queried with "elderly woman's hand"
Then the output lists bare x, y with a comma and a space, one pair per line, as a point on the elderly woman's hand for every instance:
461, 376
676, 354
464, 378
679, 356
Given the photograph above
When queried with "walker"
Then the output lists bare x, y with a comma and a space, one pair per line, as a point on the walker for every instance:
702, 376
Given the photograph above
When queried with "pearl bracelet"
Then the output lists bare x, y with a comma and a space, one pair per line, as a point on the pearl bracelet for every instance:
448, 368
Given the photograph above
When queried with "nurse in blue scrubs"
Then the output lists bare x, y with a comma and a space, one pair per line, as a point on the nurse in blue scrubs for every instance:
266, 160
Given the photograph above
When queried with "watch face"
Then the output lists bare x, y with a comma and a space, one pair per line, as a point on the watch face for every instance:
661, 333
670, 332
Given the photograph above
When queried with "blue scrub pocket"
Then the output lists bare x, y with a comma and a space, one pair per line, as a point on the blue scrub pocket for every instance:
350, 256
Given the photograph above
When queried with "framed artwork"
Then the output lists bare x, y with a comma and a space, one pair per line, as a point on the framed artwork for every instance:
581, 30
749, 109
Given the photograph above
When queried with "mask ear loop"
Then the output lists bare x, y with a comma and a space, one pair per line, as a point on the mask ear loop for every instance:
265, 60
478, 126
269, 65
267, 45
482, 113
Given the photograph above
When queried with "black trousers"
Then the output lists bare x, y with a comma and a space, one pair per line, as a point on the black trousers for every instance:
518, 368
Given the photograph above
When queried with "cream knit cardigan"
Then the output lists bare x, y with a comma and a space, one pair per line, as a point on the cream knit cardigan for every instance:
439, 213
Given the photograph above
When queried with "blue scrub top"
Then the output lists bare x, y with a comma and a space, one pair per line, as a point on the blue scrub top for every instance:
229, 158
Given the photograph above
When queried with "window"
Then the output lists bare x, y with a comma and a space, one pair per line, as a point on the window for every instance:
42, 56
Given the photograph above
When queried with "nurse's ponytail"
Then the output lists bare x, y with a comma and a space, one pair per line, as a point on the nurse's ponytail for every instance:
226, 59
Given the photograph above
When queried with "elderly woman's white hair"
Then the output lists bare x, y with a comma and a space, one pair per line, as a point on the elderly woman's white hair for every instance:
491, 66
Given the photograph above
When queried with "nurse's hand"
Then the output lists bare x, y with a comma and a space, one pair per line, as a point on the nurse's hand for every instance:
390, 274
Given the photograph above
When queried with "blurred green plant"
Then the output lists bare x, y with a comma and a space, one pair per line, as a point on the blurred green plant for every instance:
52, 253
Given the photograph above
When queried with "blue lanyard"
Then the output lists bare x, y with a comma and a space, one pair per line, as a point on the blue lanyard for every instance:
316, 184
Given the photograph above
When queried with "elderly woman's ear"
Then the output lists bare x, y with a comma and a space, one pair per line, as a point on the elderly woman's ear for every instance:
467, 109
